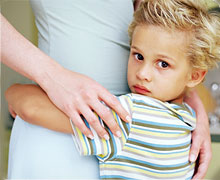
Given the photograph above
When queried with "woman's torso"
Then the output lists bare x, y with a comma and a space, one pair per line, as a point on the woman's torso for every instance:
87, 36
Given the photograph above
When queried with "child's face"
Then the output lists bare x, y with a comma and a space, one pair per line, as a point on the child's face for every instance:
158, 66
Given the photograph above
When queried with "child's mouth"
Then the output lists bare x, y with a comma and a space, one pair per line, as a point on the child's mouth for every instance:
141, 89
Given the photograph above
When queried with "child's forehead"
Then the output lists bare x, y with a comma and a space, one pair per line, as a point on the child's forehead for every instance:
154, 40
168, 30
160, 31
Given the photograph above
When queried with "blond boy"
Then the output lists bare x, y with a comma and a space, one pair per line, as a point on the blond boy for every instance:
173, 44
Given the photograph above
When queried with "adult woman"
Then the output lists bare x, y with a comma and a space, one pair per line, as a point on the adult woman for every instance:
95, 33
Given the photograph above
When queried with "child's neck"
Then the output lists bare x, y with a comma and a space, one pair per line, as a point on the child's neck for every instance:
178, 100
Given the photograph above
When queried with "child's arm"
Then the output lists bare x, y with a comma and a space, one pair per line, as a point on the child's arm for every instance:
32, 104
104, 148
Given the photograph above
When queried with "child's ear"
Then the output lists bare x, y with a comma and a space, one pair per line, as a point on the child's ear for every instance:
196, 77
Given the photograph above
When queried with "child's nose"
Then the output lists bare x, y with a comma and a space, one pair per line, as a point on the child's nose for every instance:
144, 73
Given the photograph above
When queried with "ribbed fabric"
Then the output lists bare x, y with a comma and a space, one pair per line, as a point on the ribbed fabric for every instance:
154, 146
86, 36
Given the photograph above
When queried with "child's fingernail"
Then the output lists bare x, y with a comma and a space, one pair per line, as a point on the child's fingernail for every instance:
192, 158
118, 133
91, 136
106, 137
128, 118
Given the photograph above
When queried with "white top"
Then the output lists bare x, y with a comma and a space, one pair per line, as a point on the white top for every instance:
87, 36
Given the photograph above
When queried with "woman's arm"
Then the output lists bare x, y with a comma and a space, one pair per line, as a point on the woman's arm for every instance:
71, 92
201, 141
32, 104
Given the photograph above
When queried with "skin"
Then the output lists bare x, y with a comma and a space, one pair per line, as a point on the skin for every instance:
32, 104
151, 76
158, 66
70, 94
201, 140
66, 89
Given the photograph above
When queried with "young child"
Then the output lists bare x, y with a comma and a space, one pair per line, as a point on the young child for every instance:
173, 44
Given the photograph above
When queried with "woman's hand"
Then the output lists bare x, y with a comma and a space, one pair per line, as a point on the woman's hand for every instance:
201, 147
201, 141
73, 93
76, 94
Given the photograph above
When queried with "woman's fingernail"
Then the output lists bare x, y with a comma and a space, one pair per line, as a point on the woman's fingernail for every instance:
192, 158
128, 118
118, 133
106, 137
91, 136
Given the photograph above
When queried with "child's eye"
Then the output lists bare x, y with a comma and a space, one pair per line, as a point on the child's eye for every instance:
138, 56
163, 64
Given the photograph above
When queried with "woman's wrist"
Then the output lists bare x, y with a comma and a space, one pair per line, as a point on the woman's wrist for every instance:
45, 78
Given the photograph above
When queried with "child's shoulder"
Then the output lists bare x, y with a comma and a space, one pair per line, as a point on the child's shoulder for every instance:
141, 101
184, 107
138, 97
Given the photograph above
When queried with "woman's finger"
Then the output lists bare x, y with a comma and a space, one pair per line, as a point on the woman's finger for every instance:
93, 120
195, 147
79, 123
114, 103
203, 163
201, 150
106, 115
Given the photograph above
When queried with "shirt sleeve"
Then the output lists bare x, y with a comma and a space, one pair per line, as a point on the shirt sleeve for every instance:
104, 149
183, 112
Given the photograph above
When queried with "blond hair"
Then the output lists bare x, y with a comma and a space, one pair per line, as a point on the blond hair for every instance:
185, 15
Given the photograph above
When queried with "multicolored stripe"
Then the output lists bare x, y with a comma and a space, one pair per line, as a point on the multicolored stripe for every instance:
154, 146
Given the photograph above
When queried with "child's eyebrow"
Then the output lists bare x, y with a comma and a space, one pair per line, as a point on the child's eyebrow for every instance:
165, 57
134, 47
158, 55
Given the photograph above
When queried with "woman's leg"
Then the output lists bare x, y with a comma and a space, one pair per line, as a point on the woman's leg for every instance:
36, 152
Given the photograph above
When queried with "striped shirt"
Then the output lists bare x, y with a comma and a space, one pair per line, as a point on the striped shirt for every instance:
155, 145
